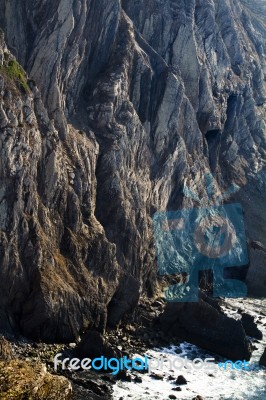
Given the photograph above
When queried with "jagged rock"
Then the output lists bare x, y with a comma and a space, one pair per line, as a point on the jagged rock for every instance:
204, 326
263, 359
6, 351
61, 238
157, 304
137, 379
181, 380
123, 376
3, 117
156, 376
177, 389
21, 380
92, 345
250, 327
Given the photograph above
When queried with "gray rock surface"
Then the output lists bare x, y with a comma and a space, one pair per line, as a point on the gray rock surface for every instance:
58, 270
129, 102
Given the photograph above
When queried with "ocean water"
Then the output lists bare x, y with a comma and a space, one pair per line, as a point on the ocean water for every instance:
221, 384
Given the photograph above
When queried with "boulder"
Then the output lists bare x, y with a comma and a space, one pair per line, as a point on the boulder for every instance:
250, 326
123, 376
156, 376
171, 378
181, 380
205, 326
92, 345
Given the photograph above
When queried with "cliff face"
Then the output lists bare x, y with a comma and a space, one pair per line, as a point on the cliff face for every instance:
127, 103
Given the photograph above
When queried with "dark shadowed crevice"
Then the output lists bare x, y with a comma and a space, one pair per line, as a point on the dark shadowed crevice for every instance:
213, 139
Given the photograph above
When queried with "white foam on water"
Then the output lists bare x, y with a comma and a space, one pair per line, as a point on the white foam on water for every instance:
219, 385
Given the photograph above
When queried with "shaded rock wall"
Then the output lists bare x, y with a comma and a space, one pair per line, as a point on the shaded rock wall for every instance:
58, 270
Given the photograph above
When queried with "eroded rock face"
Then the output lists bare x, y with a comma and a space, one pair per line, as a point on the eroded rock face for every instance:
141, 100
55, 259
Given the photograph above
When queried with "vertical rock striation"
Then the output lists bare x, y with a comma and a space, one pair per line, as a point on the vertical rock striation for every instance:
127, 103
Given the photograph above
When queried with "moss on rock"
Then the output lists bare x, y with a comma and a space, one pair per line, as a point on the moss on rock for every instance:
16, 73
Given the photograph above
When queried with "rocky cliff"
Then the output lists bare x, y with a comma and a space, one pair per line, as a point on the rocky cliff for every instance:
124, 104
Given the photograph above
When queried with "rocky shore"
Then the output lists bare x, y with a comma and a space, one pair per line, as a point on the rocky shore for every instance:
28, 367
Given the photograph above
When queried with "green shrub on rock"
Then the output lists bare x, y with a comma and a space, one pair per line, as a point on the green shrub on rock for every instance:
16, 73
